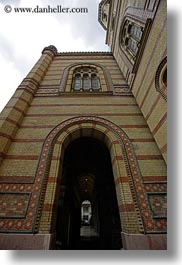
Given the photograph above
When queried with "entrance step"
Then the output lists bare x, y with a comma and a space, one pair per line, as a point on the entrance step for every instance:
88, 231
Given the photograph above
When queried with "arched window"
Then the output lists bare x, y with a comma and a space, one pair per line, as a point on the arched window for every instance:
132, 45
136, 32
130, 38
86, 79
77, 84
95, 83
86, 85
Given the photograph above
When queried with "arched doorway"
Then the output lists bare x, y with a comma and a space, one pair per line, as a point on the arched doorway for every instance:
87, 176
127, 176
86, 209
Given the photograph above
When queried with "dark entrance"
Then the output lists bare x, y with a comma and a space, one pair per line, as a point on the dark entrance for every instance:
87, 176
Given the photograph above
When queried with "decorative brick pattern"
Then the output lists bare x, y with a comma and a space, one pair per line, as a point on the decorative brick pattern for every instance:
131, 190
13, 205
35, 156
108, 128
158, 204
135, 185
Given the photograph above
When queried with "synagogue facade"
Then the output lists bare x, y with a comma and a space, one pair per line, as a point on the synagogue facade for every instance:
90, 126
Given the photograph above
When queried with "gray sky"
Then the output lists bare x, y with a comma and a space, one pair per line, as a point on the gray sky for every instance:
24, 35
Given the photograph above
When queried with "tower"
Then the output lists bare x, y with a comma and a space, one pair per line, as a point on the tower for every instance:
90, 126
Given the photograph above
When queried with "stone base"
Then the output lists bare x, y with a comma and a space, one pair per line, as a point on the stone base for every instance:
144, 242
25, 241
46, 241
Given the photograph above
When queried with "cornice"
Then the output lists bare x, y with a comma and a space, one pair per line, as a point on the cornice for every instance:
85, 53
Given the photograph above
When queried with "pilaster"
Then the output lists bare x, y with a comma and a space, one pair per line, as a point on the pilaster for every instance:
14, 112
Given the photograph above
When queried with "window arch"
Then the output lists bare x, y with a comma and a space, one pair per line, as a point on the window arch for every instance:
161, 79
86, 79
101, 83
130, 37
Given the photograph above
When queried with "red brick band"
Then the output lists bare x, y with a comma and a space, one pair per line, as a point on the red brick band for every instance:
154, 178
164, 149
142, 140
6, 136
127, 207
10, 121
16, 108
121, 180
161, 122
149, 157
153, 107
22, 99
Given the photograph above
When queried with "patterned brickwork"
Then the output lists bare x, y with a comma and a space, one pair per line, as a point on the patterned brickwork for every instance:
13, 205
84, 131
129, 199
13, 114
158, 204
51, 121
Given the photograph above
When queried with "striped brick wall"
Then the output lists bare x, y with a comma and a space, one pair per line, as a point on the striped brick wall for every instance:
15, 111
150, 101
21, 171
142, 79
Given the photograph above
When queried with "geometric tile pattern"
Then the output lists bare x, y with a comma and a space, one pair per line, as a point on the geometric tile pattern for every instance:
13, 205
158, 204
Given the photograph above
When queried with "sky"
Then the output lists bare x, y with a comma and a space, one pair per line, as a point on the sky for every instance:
24, 35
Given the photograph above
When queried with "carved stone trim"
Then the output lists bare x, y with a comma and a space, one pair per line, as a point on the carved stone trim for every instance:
159, 84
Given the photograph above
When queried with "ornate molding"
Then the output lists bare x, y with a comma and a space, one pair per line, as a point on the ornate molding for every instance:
159, 84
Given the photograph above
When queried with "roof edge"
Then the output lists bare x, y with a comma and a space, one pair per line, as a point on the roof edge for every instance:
86, 53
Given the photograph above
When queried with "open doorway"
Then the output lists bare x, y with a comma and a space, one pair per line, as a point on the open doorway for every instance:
89, 236
87, 212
